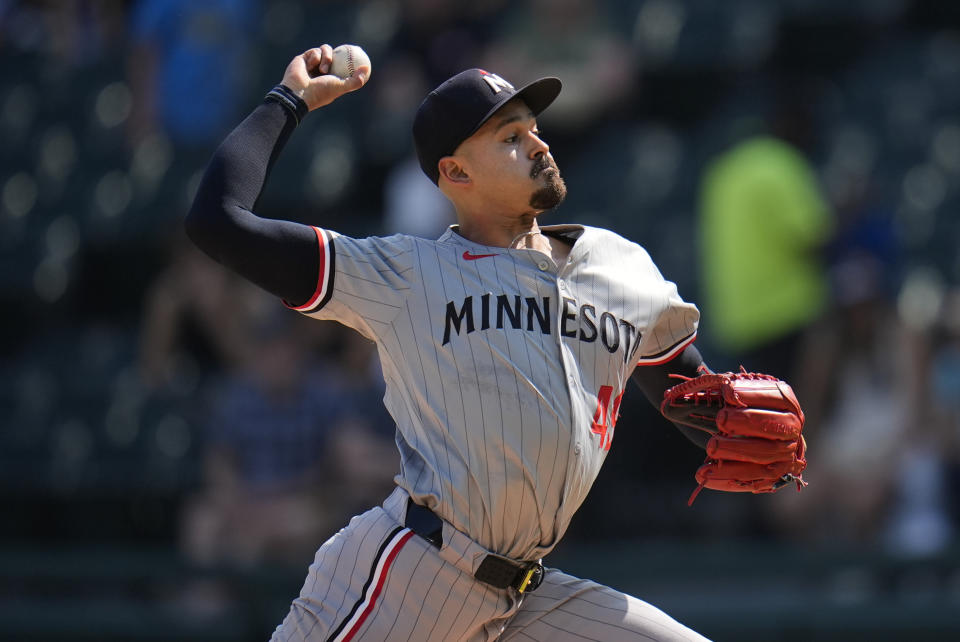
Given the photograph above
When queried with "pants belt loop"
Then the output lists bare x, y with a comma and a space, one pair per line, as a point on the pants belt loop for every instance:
422, 521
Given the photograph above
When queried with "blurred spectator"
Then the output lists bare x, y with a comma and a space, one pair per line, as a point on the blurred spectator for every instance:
410, 203
763, 225
294, 445
264, 498
413, 205
445, 37
402, 85
863, 261
364, 457
869, 400
944, 388
573, 40
292, 442
74, 33
864, 378
923, 516
193, 320
187, 65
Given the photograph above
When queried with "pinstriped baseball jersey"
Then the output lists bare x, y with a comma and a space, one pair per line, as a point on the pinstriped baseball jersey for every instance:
503, 370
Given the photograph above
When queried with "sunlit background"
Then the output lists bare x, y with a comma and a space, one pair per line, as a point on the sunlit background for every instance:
175, 444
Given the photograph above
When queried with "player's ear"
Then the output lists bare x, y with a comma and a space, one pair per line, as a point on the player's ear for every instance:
453, 170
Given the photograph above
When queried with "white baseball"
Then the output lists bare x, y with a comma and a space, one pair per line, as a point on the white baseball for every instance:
348, 60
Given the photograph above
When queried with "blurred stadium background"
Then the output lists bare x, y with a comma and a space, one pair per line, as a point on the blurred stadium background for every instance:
173, 445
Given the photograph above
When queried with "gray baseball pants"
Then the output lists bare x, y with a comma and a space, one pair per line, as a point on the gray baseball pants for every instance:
376, 580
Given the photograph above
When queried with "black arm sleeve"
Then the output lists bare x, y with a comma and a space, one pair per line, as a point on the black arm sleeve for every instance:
655, 380
282, 257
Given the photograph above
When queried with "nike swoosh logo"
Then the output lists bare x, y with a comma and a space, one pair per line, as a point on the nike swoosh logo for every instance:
473, 257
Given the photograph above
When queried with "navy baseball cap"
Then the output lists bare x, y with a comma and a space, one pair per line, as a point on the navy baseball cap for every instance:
456, 109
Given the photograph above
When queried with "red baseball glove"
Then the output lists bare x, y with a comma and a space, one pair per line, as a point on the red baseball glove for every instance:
755, 421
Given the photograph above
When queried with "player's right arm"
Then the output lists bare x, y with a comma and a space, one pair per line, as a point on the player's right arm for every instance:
280, 256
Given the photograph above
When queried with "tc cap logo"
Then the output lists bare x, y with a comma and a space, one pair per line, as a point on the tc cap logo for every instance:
496, 82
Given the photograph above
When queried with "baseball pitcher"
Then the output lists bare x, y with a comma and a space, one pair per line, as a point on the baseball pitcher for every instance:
506, 347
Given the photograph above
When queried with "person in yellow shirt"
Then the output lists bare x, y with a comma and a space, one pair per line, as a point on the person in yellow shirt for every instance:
763, 221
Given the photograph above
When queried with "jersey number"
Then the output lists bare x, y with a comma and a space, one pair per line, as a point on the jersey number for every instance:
601, 416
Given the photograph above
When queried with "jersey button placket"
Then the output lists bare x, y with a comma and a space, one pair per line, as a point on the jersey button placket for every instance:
562, 294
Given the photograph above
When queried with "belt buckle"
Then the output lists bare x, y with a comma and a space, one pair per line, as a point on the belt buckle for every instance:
503, 572
532, 578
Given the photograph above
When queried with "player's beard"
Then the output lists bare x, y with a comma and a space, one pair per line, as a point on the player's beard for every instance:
553, 193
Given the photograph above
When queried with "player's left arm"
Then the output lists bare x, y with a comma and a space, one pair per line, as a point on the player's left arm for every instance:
654, 380
666, 347
748, 423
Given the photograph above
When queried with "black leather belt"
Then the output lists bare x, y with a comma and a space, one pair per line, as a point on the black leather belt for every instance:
494, 570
